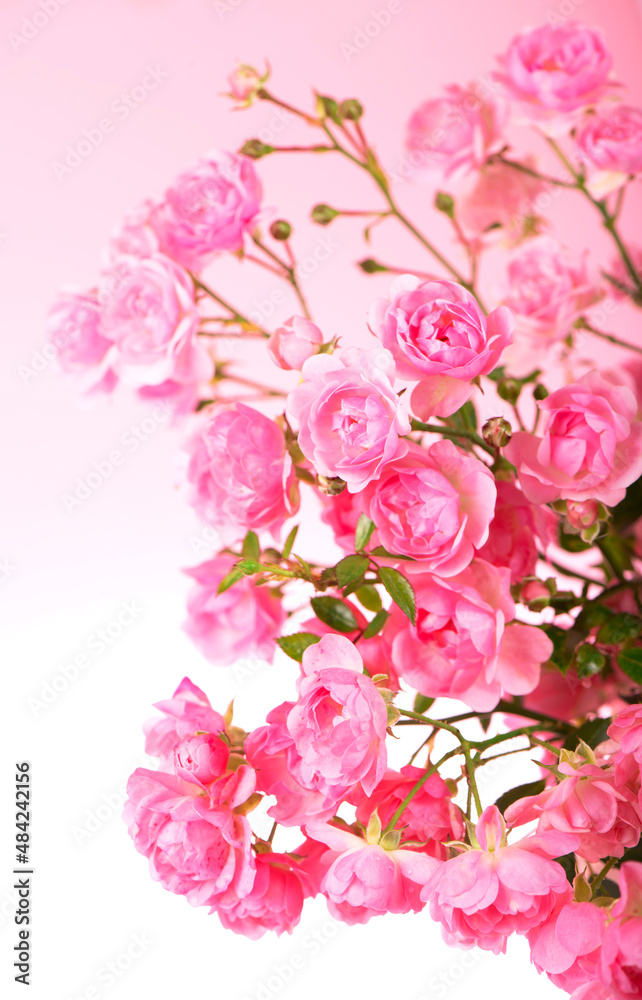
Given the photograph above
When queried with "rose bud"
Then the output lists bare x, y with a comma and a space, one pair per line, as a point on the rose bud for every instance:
201, 759
536, 594
582, 513
497, 432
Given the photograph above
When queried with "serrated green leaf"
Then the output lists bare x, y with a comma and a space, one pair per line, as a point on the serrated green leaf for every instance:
589, 660
251, 548
519, 792
363, 532
228, 581
422, 704
295, 645
350, 569
289, 542
376, 625
630, 661
400, 589
369, 597
619, 629
384, 554
333, 612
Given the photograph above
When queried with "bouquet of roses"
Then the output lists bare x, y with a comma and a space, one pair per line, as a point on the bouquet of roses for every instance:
492, 561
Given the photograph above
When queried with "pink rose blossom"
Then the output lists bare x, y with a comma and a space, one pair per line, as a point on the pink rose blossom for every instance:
239, 622
621, 956
460, 646
239, 472
626, 731
611, 141
456, 132
568, 697
208, 209
294, 342
201, 759
567, 945
434, 505
493, 890
500, 195
586, 804
339, 722
556, 69
187, 712
373, 652
135, 237
518, 532
367, 876
350, 418
274, 903
590, 447
74, 332
437, 333
342, 513
150, 316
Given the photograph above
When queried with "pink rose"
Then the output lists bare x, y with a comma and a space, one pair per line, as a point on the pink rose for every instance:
500, 195
368, 876
208, 209
567, 945
339, 722
568, 697
437, 333
434, 504
515, 531
294, 342
585, 804
150, 316
274, 903
135, 237
611, 140
590, 447
74, 333
239, 471
556, 69
373, 652
242, 621
621, 955
342, 513
201, 759
350, 418
459, 646
187, 712
197, 849
494, 889
626, 731
456, 132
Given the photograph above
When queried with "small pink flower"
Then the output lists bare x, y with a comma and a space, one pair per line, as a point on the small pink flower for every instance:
294, 342
556, 69
339, 722
274, 903
350, 418
500, 195
135, 237
373, 652
495, 889
366, 876
150, 316
456, 132
567, 945
187, 712
460, 646
515, 531
586, 804
621, 956
611, 140
201, 759
590, 447
342, 513
434, 505
437, 333
626, 731
240, 473
239, 622
208, 209
73, 330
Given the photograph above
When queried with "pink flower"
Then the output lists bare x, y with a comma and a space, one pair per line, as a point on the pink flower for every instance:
135, 237
611, 140
73, 330
274, 903
187, 712
568, 697
339, 722
621, 956
150, 316
245, 83
294, 342
500, 195
280, 771
197, 849
208, 209
342, 513
240, 473
437, 333
456, 132
434, 505
515, 531
201, 759
368, 876
586, 804
431, 816
556, 69
459, 646
373, 652
567, 945
350, 418
626, 731
590, 447
239, 622
495, 889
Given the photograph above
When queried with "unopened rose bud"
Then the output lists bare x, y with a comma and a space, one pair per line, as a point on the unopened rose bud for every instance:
245, 83
294, 342
201, 759
323, 214
540, 392
331, 485
351, 110
281, 230
255, 149
371, 266
582, 513
445, 203
497, 432
535, 594
509, 389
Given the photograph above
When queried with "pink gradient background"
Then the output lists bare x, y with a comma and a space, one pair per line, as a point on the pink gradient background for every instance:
72, 570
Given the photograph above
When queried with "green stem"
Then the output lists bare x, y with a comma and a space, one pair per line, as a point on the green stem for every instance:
418, 425
413, 791
289, 274
523, 169
573, 573
508, 708
597, 881
609, 336
236, 315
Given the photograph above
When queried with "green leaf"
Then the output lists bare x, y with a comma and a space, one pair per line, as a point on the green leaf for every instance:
251, 547
228, 581
465, 417
422, 704
630, 661
369, 597
571, 543
363, 532
333, 612
305, 566
296, 645
589, 660
376, 625
384, 554
619, 629
564, 642
350, 569
400, 590
567, 861
592, 616
520, 792
289, 542
591, 732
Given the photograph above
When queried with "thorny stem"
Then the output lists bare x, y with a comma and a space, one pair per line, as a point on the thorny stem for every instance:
288, 271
